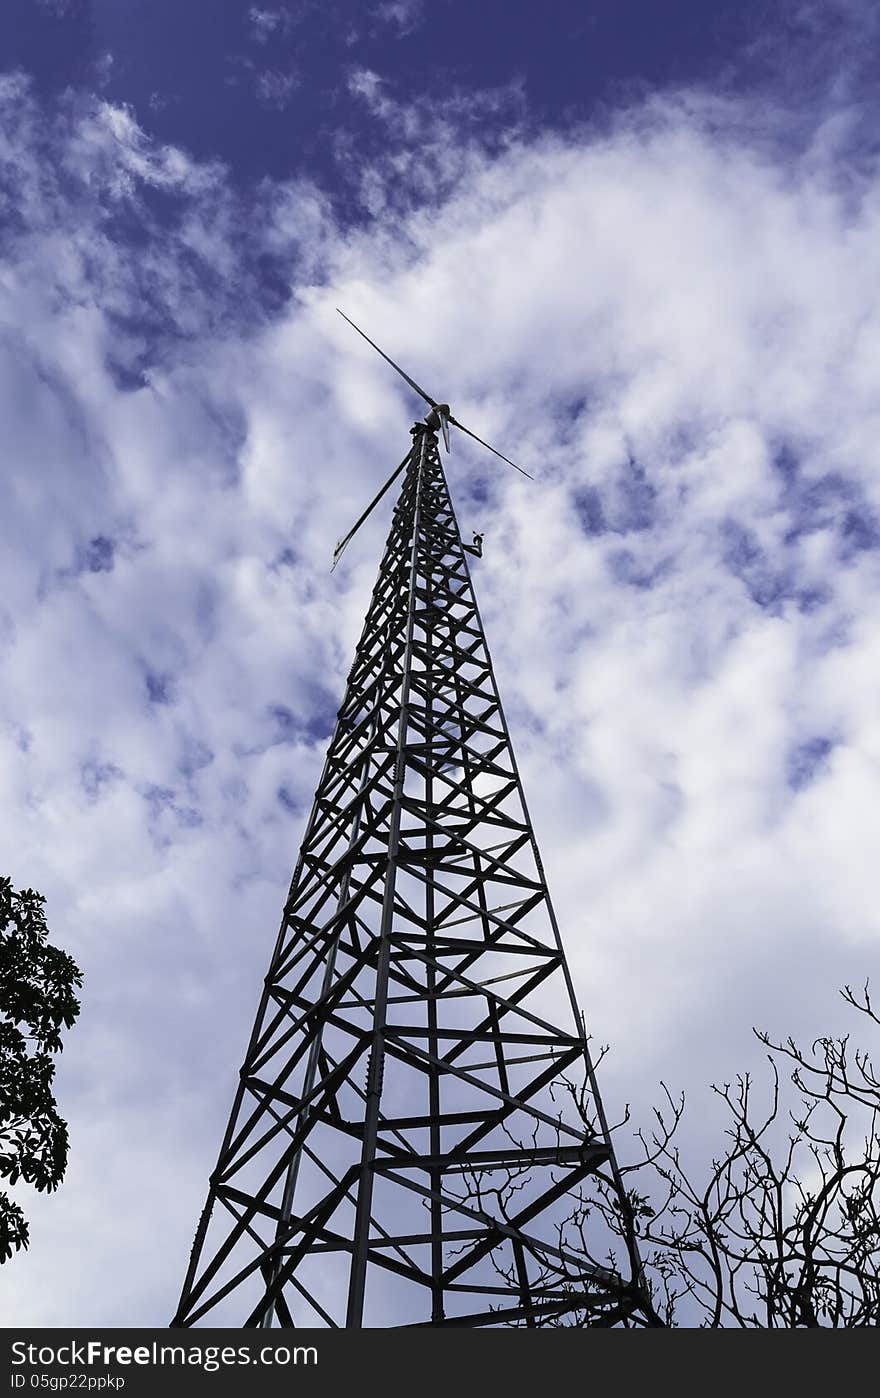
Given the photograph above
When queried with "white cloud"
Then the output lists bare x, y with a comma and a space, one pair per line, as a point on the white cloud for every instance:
56, 7
275, 88
269, 23
403, 16
429, 145
681, 333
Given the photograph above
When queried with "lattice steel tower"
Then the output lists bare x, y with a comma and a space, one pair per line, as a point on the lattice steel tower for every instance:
416, 1122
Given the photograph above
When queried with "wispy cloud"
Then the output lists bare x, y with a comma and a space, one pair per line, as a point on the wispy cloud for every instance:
402, 16
275, 88
57, 7
422, 148
272, 22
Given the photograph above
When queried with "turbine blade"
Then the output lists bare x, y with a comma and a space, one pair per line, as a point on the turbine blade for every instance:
412, 383
444, 428
461, 427
343, 543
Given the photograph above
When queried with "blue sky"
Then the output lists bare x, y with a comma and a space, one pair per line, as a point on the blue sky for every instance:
277, 89
637, 247
266, 87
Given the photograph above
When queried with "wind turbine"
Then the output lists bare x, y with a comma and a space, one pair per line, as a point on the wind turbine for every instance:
439, 416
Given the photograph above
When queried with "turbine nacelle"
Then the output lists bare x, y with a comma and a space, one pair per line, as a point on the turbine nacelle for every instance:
439, 411
439, 417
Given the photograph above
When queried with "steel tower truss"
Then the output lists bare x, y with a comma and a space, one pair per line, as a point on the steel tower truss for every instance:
412, 1126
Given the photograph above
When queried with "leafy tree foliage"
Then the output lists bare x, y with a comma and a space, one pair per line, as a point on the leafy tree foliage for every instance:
37, 1001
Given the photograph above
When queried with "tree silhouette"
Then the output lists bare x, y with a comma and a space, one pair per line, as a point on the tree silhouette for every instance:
781, 1231
37, 1000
